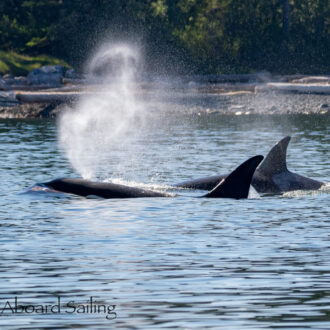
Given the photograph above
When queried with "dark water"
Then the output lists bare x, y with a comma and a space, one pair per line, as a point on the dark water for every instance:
181, 262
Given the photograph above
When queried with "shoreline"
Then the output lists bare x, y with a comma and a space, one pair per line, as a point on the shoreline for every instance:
236, 103
203, 95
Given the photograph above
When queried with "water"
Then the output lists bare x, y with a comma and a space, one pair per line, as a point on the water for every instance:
167, 262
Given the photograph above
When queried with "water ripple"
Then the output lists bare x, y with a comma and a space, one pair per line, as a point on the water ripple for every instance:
173, 262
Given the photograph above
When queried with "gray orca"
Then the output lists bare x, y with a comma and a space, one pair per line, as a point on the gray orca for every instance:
272, 176
235, 185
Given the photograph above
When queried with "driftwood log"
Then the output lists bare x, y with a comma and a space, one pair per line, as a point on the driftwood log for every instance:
50, 97
299, 88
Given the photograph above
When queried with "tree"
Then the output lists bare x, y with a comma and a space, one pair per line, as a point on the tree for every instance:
286, 17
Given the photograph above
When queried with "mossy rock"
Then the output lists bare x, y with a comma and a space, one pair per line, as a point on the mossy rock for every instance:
18, 64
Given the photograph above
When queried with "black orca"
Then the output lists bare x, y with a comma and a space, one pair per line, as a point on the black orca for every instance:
272, 176
235, 185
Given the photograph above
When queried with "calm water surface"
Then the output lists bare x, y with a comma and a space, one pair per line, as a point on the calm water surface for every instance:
182, 262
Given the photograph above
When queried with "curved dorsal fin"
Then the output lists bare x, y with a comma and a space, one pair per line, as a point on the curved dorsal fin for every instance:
237, 183
275, 161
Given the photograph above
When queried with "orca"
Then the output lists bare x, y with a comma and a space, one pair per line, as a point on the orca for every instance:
236, 185
272, 176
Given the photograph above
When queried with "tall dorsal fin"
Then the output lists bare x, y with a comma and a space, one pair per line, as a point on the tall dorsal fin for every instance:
237, 183
275, 161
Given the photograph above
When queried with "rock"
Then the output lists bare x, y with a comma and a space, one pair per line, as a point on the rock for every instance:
211, 111
21, 80
50, 75
72, 74
17, 81
9, 80
193, 84
3, 85
41, 110
8, 76
237, 108
71, 77
8, 97
263, 76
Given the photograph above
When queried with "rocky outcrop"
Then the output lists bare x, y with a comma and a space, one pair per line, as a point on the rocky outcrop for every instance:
30, 110
3, 85
50, 75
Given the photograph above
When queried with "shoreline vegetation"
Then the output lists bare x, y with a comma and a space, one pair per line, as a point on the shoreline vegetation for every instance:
183, 37
16, 64
238, 50
45, 92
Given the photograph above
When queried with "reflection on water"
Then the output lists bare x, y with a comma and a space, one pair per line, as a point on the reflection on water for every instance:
176, 262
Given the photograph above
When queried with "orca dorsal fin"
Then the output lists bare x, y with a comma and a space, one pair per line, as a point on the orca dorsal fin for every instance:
237, 183
275, 161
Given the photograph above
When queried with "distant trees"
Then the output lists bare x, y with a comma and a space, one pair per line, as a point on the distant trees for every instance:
254, 34
208, 35
286, 17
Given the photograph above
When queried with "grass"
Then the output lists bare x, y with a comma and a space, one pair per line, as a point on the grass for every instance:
18, 64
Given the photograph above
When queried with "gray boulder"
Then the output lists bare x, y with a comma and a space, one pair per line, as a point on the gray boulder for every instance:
20, 81
3, 85
16, 81
8, 76
72, 74
50, 75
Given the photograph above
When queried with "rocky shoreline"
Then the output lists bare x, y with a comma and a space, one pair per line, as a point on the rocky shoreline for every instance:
47, 91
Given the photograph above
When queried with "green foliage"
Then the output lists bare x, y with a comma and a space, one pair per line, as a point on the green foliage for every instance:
159, 8
207, 36
11, 62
